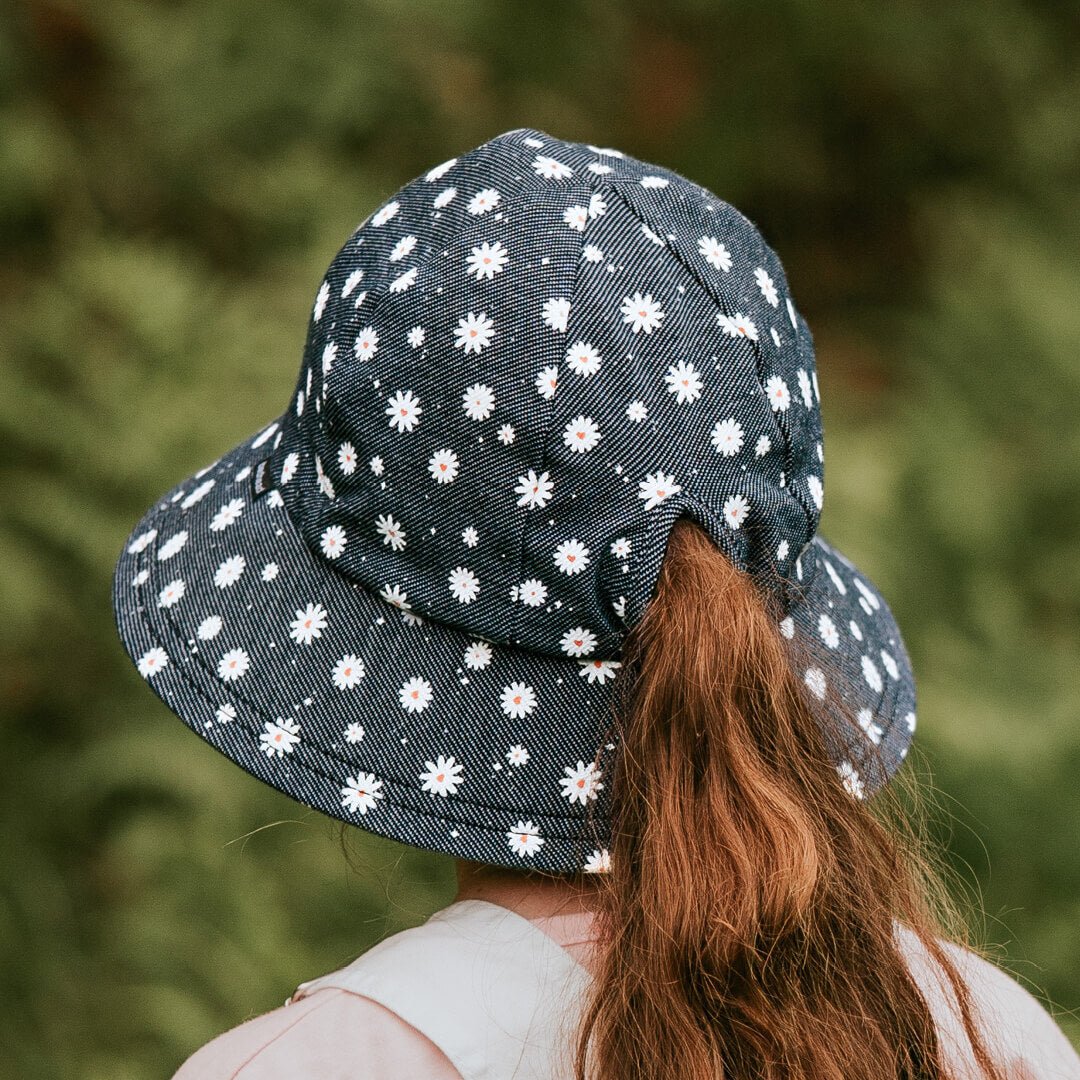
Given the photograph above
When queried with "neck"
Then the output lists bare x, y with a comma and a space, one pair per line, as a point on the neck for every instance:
532, 896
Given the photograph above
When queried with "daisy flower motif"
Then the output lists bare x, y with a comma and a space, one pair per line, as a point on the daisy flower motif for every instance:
464, 584
279, 738
415, 337
228, 513
347, 672
852, 780
308, 624
376, 465
828, 632
487, 260
683, 381
654, 182
597, 206
402, 248
817, 492
326, 485
765, 284
320, 301
288, 467
787, 627
547, 168
478, 401
591, 253
651, 236
225, 714
415, 694
599, 862
473, 332
656, 487
444, 198
582, 783
443, 776
366, 344
386, 213
636, 411
571, 557
815, 681
517, 755
354, 733
209, 628
738, 325
172, 593
583, 359
642, 313
270, 571
781, 551
872, 675
233, 665
532, 592
805, 388
581, 434
172, 546
469, 536
736, 508
577, 217
714, 253
762, 446
396, 595
890, 665
333, 541
546, 382
534, 490
599, 168
484, 201
361, 792
141, 578
518, 700
727, 437
346, 457
404, 410
866, 721
403, 281
443, 466
141, 543
151, 662
620, 547
198, 494
525, 839
228, 573
505, 434
555, 313
391, 531
478, 655
578, 642
440, 170
351, 282
599, 671
777, 392
329, 355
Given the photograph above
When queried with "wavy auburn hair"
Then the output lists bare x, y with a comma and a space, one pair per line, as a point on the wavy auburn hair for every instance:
747, 921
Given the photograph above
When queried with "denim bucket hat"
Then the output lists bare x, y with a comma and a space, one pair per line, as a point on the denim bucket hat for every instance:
402, 602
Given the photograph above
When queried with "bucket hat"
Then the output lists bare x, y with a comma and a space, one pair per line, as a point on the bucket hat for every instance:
403, 601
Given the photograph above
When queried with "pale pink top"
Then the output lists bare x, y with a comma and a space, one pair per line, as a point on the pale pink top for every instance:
330, 1031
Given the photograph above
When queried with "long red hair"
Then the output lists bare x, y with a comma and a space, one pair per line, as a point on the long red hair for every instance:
747, 924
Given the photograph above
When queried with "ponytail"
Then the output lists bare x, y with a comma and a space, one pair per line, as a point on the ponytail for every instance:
747, 921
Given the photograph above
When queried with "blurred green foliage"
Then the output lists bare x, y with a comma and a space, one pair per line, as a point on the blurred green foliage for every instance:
174, 178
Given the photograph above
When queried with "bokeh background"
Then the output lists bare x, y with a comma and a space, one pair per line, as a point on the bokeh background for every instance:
174, 178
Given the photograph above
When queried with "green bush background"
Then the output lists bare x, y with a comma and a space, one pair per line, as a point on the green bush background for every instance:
174, 179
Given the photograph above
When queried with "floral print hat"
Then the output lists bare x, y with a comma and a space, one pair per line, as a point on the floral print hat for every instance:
402, 602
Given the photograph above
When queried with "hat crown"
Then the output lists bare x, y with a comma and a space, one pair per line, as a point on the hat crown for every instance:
522, 368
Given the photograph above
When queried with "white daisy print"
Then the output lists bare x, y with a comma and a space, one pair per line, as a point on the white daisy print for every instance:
376, 465
270, 571
478, 655
599, 862
714, 253
582, 783
765, 284
226, 713
483, 201
815, 680
546, 382
346, 457
172, 546
518, 700
577, 217
141, 578
852, 780
787, 627
233, 665
351, 282
354, 733
289, 466
487, 260
151, 662
404, 281
440, 170
727, 437
402, 248
320, 301
591, 253
532, 592
683, 381
636, 411
656, 487
473, 332
505, 434
469, 536
415, 337
329, 355
404, 410
347, 672
209, 628
198, 494
171, 593
781, 551
762, 446
326, 485
856, 632
141, 543
386, 213
415, 694
599, 671
464, 584
396, 595
308, 624
366, 344
805, 388
736, 508
525, 839
361, 792
547, 168
620, 547
597, 206
738, 325
571, 557
866, 722
444, 198
828, 632
583, 359
872, 675
443, 466
517, 755
581, 434
578, 642
890, 665
228, 573
391, 531
478, 401
443, 776
778, 394
280, 738
333, 541
534, 490
654, 182
817, 492
555, 313
642, 313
